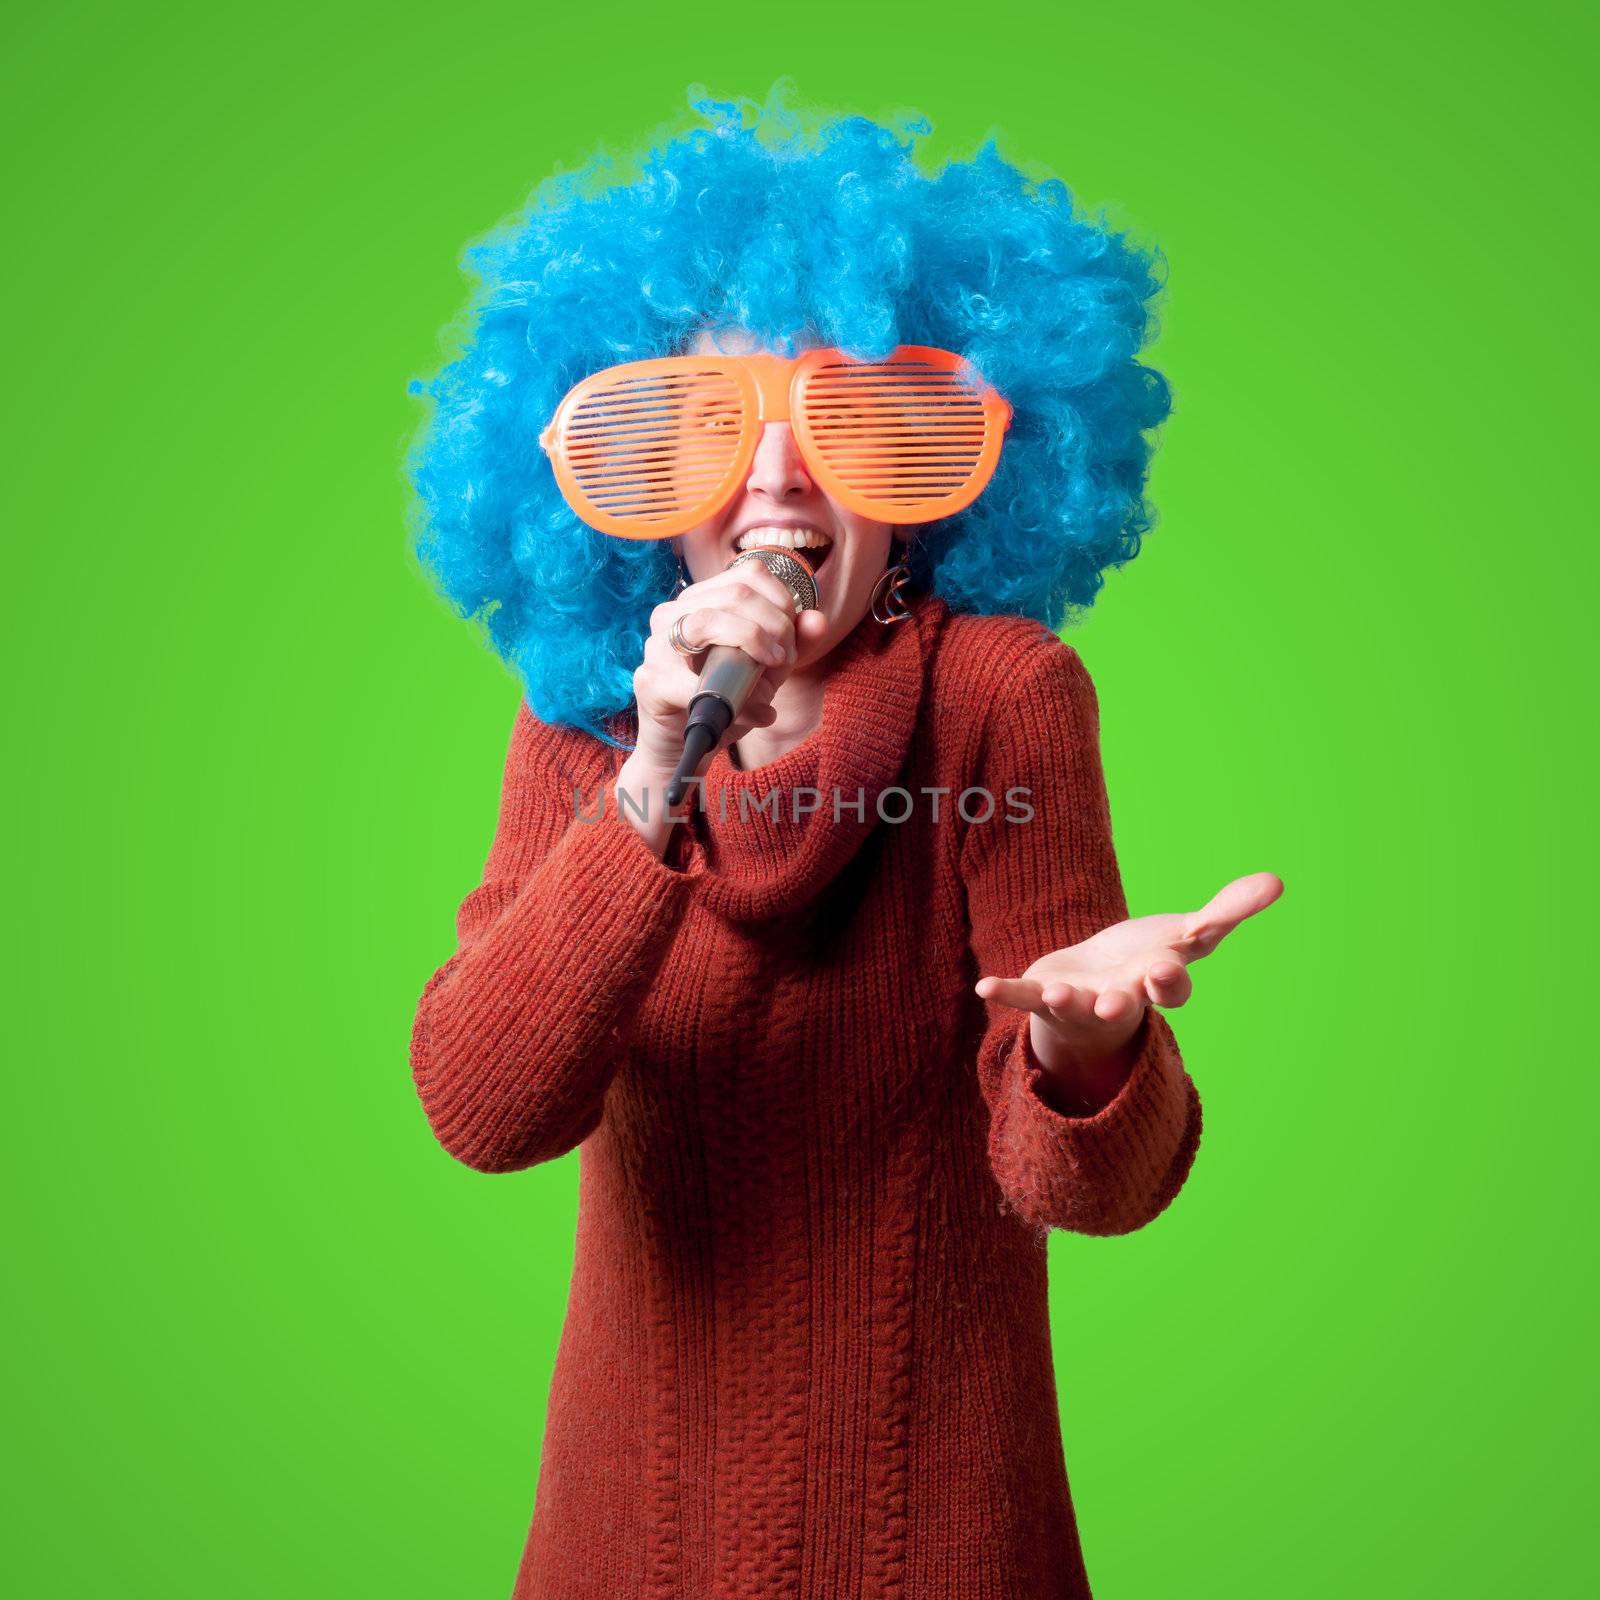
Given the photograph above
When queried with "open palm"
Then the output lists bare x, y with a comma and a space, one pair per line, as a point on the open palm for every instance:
1090, 997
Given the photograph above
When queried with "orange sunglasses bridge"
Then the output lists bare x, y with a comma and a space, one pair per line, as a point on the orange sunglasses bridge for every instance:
649, 449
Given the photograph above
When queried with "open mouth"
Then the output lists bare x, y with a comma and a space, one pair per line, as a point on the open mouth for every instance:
810, 544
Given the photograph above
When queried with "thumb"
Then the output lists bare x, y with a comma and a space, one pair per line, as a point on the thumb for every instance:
1227, 908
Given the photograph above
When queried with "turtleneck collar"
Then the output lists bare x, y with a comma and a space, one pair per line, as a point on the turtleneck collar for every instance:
757, 858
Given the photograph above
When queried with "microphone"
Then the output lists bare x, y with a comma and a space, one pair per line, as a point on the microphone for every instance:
728, 673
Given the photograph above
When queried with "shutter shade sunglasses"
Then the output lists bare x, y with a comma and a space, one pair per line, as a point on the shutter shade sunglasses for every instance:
650, 449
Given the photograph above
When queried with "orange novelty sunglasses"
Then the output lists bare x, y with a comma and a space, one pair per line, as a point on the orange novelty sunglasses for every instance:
649, 449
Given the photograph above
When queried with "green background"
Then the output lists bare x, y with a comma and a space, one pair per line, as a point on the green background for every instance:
266, 1339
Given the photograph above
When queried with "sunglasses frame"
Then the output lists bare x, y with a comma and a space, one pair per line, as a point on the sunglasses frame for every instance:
772, 388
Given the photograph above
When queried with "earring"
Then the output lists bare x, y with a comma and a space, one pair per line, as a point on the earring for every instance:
888, 605
683, 576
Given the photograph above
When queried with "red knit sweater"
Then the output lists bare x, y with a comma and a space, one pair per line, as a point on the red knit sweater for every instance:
807, 1345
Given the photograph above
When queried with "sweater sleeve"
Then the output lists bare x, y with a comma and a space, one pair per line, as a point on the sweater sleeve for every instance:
1038, 885
518, 1034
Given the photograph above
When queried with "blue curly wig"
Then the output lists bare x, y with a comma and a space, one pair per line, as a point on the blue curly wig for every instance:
832, 236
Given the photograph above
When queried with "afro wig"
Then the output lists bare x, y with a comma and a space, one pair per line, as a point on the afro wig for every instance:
831, 236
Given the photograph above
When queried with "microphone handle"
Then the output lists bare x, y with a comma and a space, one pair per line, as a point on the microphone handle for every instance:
726, 679
727, 676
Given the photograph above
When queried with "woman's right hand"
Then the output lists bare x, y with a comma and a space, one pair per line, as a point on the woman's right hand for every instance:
743, 605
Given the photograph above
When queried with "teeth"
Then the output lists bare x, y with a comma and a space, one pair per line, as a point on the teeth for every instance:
789, 538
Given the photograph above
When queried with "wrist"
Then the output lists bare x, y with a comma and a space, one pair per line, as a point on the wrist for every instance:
640, 774
1073, 1081
641, 800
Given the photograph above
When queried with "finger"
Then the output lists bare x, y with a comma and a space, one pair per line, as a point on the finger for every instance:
1068, 1002
1023, 993
705, 625
1117, 1005
770, 603
665, 684
1167, 983
661, 653
758, 575
747, 583
660, 656
810, 631
1206, 928
664, 687
750, 623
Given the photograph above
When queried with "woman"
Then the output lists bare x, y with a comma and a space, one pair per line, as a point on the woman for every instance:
842, 1039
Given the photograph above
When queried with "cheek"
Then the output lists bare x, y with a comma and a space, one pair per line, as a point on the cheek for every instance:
865, 535
869, 553
701, 548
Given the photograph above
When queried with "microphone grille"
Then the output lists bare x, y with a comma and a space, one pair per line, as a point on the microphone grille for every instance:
791, 569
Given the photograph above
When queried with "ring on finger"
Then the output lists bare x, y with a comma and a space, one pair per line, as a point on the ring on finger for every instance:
676, 639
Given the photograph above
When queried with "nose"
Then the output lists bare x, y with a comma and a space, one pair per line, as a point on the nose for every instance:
778, 471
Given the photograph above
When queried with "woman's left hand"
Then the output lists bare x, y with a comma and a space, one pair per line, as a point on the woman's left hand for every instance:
1089, 999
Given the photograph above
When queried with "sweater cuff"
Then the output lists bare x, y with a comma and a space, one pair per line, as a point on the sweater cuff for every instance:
684, 854
612, 860
1110, 1172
